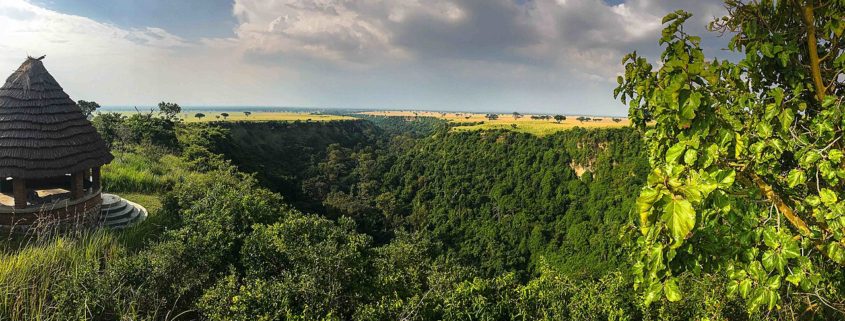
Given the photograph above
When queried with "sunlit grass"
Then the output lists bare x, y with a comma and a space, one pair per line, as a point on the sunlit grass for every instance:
261, 116
141, 234
131, 172
152, 202
29, 276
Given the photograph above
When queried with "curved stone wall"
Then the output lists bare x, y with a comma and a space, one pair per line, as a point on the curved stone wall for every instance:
81, 212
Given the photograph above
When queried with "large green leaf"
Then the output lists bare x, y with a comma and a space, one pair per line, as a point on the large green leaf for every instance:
644, 204
673, 293
796, 177
652, 293
675, 152
787, 116
827, 196
680, 218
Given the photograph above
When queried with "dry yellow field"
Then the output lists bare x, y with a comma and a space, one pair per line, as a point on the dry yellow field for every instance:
261, 116
525, 124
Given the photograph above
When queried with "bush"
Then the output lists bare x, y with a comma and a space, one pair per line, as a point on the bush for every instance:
313, 267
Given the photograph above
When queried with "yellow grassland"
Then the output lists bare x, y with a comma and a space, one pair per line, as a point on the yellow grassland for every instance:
525, 124
190, 117
262, 116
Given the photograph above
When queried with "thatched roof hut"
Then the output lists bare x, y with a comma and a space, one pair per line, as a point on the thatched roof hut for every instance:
44, 134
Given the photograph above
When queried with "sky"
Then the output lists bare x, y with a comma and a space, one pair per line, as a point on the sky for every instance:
540, 56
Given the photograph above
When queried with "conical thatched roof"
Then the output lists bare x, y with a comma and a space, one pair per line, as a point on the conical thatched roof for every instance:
43, 133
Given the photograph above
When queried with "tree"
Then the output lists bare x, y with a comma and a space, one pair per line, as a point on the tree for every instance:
492, 116
225, 115
110, 127
88, 107
748, 166
169, 110
517, 115
616, 120
560, 118
199, 115
247, 113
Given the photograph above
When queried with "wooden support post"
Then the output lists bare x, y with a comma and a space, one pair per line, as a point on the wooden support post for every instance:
19, 192
77, 189
95, 179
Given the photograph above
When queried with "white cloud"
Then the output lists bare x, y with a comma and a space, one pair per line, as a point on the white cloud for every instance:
586, 36
476, 54
112, 65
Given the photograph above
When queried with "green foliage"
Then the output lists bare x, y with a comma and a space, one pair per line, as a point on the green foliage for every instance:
498, 200
306, 266
417, 126
110, 127
502, 200
88, 107
281, 154
169, 111
224, 247
137, 129
150, 129
746, 157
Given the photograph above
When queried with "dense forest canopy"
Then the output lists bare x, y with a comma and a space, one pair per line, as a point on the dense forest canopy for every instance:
499, 200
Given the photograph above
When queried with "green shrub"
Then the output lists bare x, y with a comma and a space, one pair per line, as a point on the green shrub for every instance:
305, 265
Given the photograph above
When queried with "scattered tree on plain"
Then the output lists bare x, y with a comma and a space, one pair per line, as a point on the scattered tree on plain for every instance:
169, 110
88, 107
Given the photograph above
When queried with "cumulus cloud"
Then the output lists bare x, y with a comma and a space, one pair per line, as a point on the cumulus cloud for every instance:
113, 65
584, 36
541, 55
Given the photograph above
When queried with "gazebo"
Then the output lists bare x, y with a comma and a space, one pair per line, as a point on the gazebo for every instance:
50, 154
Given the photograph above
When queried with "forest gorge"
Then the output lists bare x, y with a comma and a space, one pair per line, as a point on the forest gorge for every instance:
723, 202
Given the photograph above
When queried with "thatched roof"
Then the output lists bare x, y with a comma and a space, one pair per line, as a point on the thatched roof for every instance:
43, 133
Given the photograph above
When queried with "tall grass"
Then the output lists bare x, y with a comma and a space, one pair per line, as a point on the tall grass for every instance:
135, 172
29, 277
